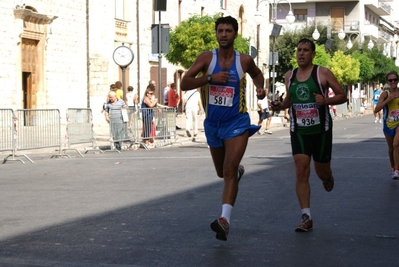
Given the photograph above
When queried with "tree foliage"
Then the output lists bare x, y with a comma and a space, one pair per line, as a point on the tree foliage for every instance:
366, 69
345, 68
372, 65
337, 44
285, 45
195, 35
382, 65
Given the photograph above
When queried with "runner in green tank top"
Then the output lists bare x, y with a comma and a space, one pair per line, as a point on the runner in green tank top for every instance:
311, 125
306, 116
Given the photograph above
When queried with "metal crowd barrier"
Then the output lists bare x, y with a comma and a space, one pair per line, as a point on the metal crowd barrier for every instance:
161, 129
7, 126
8, 134
342, 110
356, 102
38, 128
79, 130
158, 125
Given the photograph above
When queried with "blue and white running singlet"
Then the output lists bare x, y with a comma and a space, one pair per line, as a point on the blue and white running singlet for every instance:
223, 102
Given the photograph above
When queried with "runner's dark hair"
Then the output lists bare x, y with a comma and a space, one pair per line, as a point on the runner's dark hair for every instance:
227, 20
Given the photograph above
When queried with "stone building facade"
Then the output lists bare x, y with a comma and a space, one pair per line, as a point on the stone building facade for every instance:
43, 63
58, 54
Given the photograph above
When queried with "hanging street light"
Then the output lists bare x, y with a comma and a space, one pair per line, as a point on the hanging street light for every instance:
341, 33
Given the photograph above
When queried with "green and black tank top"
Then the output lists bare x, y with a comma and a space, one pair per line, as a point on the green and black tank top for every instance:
305, 115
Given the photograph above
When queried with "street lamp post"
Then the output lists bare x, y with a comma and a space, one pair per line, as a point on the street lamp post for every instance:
349, 45
370, 44
290, 18
341, 33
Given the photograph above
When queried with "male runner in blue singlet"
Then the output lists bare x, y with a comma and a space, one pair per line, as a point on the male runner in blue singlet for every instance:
227, 124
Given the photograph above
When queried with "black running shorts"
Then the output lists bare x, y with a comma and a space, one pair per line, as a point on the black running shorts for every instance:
317, 145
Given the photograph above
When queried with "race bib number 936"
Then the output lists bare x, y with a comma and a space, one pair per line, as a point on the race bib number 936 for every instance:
307, 116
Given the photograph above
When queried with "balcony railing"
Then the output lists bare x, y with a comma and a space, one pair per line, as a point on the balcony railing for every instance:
385, 6
379, 7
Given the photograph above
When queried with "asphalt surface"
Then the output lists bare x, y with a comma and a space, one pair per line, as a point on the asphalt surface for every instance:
153, 207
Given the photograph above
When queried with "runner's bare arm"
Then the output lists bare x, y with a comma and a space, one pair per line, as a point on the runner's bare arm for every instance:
190, 79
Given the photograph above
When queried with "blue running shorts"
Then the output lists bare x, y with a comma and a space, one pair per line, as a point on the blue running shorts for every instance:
388, 131
217, 132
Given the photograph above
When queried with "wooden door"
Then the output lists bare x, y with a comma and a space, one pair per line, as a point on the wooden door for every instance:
27, 89
154, 76
29, 56
337, 18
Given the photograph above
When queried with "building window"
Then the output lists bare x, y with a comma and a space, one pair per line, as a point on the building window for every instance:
301, 15
223, 4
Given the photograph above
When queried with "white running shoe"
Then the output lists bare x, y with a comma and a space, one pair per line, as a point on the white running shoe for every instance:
395, 175
380, 121
376, 120
268, 132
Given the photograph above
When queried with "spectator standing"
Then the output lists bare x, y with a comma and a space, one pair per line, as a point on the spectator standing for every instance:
112, 88
131, 98
333, 108
311, 123
119, 91
192, 108
113, 115
227, 124
376, 97
276, 98
147, 105
132, 101
173, 99
165, 93
363, 99
355, 93
154, 83
263, 111
389, 102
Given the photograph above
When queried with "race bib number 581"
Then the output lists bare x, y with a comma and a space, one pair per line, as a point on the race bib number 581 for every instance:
221, 95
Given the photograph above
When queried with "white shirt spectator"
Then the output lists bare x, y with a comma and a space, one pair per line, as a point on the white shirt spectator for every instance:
193, 107
263, 102
355, 93
192, 98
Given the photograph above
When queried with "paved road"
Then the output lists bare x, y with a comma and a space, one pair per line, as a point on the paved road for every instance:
153, 208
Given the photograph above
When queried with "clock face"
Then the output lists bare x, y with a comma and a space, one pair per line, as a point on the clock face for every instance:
123, 56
